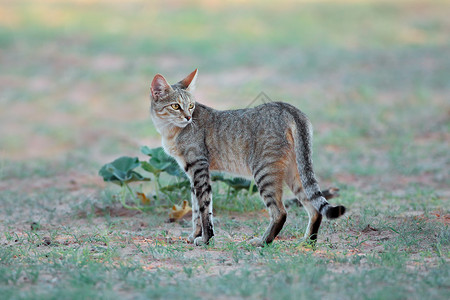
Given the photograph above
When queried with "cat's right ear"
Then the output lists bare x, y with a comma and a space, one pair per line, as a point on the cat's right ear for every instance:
160, 87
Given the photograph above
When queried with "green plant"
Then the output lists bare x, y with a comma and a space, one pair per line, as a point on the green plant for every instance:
122, 171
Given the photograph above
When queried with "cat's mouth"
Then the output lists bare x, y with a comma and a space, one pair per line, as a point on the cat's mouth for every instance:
183, 124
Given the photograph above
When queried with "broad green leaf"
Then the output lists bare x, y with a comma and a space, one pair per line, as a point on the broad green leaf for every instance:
176, 186
121, 171
150, 168
161, 162
150, 151
237, 183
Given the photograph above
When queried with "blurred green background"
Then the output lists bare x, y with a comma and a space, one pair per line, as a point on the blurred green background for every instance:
374, 76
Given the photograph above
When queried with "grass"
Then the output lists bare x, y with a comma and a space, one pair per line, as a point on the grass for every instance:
141, 256
373, 76
282, 270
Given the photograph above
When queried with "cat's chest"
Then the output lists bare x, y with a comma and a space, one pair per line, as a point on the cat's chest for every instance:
170, 148
169, 145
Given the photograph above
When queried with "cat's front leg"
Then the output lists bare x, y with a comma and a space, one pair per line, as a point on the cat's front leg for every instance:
196, 222
202, 221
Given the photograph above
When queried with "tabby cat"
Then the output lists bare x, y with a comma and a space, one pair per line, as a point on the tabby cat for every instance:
270, 142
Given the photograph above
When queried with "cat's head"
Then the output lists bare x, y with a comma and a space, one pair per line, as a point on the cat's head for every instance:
172, 104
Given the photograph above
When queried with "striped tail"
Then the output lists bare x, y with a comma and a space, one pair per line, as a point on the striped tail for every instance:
303, 148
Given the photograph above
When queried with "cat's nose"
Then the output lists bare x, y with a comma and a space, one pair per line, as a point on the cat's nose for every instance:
188, 118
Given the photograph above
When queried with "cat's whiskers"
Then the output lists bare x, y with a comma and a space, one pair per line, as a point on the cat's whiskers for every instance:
194, 124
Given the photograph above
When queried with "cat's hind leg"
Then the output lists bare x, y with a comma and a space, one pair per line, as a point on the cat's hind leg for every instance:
315, 218
270, 184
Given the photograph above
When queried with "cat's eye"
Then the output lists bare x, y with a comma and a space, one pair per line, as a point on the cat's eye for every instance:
175, 106
191, 105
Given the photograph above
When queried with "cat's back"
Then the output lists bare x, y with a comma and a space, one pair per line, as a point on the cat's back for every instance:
243, 124
235, 137
266, 117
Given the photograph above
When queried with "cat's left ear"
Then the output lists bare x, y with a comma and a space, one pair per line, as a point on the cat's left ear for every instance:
188, 83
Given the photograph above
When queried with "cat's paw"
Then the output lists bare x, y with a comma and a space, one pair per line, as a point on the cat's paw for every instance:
256, 242
191, 238
198, 241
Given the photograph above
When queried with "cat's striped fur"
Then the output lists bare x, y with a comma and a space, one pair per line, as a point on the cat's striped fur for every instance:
271, 143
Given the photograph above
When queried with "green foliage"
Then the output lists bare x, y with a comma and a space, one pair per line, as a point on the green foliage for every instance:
236, 183
122, 171
161, 162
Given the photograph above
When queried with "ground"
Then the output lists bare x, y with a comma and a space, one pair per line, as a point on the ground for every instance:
373, 76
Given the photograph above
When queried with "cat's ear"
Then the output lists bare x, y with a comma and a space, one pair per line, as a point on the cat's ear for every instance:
188, 83
160, 87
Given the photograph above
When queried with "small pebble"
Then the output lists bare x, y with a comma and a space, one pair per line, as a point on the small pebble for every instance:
47, 241
35, 226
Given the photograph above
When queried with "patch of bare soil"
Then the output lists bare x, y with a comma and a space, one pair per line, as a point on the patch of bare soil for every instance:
112, 211
70, 182
435, 216
390, 182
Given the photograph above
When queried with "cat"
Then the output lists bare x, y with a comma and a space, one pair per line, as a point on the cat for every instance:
270, 142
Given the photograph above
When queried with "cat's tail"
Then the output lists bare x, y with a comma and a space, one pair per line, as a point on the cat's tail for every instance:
303, 152
328, 194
